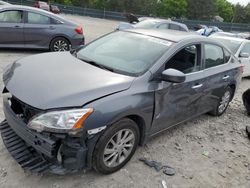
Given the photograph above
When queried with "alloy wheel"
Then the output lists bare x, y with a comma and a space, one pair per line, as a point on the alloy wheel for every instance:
118, 148
61, 45
224, 101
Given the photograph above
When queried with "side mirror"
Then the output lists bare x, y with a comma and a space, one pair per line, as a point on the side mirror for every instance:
173, 75
244, 55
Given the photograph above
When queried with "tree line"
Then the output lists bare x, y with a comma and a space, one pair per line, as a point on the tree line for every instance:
185, 9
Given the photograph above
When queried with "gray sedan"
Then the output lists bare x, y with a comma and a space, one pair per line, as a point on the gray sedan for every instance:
27, 27
112, 94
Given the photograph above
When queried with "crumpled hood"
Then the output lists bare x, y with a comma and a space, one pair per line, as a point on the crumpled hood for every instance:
55, 80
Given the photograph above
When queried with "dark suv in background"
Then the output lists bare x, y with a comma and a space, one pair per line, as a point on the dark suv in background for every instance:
42, 5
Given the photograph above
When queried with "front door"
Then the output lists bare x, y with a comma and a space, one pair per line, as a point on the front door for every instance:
175, 103
11, 29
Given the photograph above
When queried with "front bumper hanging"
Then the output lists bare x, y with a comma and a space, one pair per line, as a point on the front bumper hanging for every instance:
36, 152
25, 155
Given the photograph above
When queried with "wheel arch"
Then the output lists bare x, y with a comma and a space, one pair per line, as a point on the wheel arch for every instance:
233, 87
59, 36
141, 125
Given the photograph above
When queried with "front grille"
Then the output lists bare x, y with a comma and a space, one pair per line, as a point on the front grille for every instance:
23, 110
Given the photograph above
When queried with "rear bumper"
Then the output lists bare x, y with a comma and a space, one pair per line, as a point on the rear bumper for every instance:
55, 153
77, 41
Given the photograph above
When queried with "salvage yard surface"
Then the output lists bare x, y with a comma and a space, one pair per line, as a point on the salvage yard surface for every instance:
205, 152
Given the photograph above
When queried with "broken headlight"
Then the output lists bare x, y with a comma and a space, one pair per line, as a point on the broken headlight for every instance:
60, 121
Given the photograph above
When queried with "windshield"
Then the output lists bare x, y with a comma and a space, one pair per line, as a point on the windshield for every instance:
125, 53
146, 24
233, 45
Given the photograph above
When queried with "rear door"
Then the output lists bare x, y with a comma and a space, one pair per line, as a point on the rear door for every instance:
38, 30
218, 69
11, 28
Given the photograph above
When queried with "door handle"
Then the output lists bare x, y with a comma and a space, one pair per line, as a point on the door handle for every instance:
52, 27
17, 26
197, 86
226, 77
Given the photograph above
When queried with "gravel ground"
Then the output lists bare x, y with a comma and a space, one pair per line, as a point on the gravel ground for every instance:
205, 152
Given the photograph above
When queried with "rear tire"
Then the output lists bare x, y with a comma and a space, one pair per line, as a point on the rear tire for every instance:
116, 146
59, 44
223, 102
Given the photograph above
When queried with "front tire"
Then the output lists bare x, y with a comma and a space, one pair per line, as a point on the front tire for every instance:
59, 44
223, 102
116, 146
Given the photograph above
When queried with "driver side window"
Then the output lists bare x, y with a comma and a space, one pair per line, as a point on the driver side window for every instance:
186, 60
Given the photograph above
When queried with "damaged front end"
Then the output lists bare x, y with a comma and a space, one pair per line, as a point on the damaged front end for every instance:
40, 152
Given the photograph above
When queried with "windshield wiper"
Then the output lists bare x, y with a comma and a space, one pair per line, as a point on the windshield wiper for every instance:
91, 62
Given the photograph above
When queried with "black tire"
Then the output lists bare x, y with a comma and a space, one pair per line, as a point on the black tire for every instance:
59, 44
217, 111
98, 156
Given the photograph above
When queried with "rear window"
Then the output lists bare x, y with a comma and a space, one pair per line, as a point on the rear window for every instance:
146, 24
34, 18
214, 56
174, 27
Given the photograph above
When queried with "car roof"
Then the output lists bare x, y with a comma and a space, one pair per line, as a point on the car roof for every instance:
229, 38
170, 35
158, 20
27, 8
33, 9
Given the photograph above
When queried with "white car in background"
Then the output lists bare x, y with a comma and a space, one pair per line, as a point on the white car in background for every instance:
240, 48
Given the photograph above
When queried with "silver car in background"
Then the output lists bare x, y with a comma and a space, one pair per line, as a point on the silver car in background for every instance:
240, 48
154, 23
27, 27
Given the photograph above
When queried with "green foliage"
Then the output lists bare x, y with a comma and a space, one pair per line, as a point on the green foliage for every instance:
172, 8
239, 14
224, 10
201, 10
192, 9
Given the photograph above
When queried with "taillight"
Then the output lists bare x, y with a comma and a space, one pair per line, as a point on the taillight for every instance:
242, 68
79, 30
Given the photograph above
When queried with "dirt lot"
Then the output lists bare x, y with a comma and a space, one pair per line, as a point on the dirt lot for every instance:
206, 152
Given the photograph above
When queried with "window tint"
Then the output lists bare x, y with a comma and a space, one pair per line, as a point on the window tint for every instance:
11, 16
34, 18
174, 27
214, 56
182, 29
185, 60
163, 26
246, 48
54, 21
